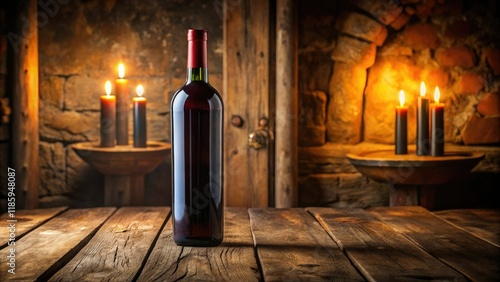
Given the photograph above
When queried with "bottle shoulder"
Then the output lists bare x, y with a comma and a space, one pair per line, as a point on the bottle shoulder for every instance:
197, 93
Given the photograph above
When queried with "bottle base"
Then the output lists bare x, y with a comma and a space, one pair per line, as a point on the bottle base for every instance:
198, 242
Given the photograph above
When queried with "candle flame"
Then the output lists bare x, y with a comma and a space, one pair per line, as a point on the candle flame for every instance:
401, 98
422, 89
139, 90
437, 95
107, 88
121, 70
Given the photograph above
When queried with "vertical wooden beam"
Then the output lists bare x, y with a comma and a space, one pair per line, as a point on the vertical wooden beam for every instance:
246, 94
286, 104
25, 105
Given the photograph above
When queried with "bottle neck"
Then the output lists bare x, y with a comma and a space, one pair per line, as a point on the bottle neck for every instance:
197, 61
197, 74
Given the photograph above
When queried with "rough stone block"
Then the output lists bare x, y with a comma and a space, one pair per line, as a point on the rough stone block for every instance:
460, 29
424, 9
421, 36
353, 51
435, 77
52, 169
315, 70
383, 10
386, 78
312, 116
456, 56
410, 10
68, 126
451, 7
314, 135
318, 189
363, 27
482, 130
85, 183
394, 49
81, 92
401, 21
470, 83
493, 59
356, 191
51, 90
489, 105
54, 201
345, 106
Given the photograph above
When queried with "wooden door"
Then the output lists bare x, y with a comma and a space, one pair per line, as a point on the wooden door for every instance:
246, 94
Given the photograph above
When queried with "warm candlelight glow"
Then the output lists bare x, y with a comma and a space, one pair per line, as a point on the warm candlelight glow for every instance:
139, 90
121, 70
401, 98
437, 95
107, 88
422, 89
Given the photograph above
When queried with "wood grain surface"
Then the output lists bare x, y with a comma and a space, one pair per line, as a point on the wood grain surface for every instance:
233, 260
379, 252
44, 250
483, 223
291, 244
117, 251
444, 241
25, 221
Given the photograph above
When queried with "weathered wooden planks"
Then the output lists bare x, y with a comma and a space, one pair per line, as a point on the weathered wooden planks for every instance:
234, 260
44, 250
117, 251
484, 224
27, 220
379, 252
473, 257
291, 245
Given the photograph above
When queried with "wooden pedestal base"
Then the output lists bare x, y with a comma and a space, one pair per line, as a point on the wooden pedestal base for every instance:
412, 195
124, 169
120, 190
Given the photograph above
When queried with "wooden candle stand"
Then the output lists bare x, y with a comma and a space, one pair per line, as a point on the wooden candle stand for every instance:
124, 168
413, 178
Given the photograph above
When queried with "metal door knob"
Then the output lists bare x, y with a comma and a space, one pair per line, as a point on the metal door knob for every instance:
258, 139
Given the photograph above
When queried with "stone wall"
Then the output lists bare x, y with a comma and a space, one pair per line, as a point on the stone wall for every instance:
80, 47
356, 55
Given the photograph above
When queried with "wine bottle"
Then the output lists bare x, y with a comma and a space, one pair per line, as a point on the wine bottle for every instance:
197, 145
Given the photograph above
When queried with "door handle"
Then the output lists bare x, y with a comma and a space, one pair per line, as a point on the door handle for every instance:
260, 138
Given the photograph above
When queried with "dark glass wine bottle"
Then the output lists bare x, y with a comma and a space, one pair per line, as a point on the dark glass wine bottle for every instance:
197, 141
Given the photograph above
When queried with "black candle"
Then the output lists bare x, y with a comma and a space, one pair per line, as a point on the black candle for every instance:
140, 130
108, 108
422, 123
401, 126
437, 126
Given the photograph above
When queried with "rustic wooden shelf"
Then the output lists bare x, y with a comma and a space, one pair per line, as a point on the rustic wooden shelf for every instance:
124, 168
413, 177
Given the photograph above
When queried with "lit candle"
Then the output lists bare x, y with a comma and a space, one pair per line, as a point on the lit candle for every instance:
437, 126
140, 130
422, 123
108, 109
121, 88
401, 126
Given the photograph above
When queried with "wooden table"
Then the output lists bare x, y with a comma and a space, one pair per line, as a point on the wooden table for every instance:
135, 244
